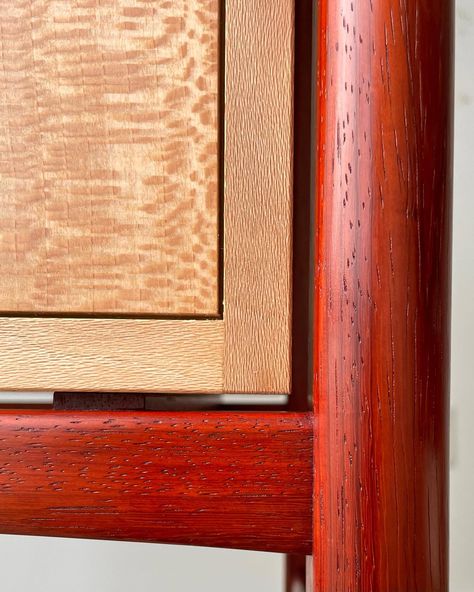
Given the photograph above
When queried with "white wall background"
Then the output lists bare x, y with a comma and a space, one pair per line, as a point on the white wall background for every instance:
54, 565
462, 383
32, 564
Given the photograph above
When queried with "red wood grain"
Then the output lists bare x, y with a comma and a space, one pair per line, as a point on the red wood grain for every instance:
218, 479
382, 295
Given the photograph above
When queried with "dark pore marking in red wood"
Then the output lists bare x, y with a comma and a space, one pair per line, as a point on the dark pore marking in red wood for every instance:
218, 479
383, 187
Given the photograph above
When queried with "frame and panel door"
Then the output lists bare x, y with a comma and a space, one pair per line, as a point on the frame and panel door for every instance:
146, 165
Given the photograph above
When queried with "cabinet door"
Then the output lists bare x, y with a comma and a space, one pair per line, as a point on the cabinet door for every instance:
145, 194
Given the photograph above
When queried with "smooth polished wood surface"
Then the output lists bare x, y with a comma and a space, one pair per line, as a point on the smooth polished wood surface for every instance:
382, 295
218, 479
109, 156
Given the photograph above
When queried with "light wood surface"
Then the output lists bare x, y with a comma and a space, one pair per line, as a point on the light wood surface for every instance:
249, 349
111, 354
109, 156
258, 195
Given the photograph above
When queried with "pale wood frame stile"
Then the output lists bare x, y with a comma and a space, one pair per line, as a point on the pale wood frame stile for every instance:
249, 348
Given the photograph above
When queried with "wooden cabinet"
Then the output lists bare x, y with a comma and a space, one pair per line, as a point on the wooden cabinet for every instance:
146, 158
150, 241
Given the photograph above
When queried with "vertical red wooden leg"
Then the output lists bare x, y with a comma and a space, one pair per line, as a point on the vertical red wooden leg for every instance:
383, 186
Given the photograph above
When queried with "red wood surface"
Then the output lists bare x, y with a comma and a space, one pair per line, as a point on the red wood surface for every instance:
219, 479
383, 189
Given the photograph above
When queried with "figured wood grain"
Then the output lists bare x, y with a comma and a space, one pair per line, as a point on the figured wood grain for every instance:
258, 181
382, 295
135, 355
109, 156
227, 480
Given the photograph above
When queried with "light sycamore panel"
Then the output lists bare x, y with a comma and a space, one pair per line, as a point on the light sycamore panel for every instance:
258, 195
111, 354
109, 156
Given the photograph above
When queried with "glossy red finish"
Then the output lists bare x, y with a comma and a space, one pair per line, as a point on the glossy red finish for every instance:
382, 295
218, 479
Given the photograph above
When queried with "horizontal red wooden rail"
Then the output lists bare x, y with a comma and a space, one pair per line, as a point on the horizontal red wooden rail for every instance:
214, 479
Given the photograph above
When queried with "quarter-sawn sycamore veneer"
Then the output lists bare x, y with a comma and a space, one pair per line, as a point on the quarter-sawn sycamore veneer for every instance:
109, 156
